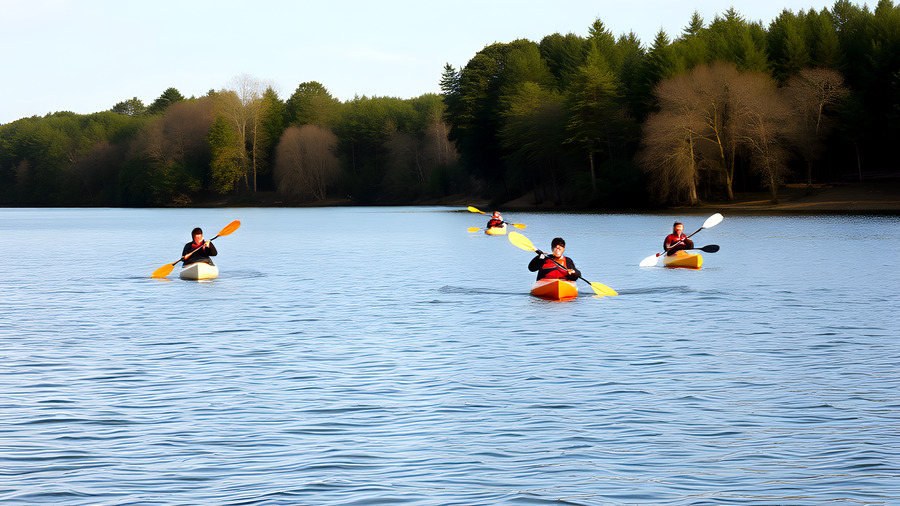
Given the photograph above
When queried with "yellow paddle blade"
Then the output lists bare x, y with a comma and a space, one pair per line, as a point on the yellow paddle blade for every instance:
231, 227
518, 225
473, 229
520, 241
163, 271
472, 209
601, 289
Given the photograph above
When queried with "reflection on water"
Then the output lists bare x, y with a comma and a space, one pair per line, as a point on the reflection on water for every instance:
378, 355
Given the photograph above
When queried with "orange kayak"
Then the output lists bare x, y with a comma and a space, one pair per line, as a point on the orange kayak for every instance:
501, 230
684, 259
554, 289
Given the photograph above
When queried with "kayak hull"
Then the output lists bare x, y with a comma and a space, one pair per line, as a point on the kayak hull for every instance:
501, 230
554, 289
684, 260
199, 270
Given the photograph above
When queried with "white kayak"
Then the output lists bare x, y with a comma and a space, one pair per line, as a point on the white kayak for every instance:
199, 270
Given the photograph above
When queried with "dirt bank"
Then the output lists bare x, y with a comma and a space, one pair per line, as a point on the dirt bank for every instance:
865, 197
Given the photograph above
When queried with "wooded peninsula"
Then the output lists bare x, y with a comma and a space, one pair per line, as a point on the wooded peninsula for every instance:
595, 122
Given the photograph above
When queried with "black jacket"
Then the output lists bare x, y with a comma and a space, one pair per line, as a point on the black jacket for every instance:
202, 255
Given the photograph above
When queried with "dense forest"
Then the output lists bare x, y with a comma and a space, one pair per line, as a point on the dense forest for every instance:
598, 121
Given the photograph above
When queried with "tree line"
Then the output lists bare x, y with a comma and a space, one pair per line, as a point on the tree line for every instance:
236, 142
599, 121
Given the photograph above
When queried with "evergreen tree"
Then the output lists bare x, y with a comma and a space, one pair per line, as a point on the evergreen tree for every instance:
168, 97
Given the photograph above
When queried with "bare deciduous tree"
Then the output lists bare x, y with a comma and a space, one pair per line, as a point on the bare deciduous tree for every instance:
179, 134
305, 162
438, 147
764, 127
669, 155
706, 118
713, 85
812, 93
242, 103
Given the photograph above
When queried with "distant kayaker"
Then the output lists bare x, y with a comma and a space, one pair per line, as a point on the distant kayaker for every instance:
677, 240
205, 249
545, 266
495, 221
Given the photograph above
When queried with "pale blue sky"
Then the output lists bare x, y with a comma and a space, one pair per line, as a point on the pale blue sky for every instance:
86, 55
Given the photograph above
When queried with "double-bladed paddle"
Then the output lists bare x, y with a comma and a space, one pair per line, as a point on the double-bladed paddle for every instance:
476, 229
710, 222
522, 242
166, 269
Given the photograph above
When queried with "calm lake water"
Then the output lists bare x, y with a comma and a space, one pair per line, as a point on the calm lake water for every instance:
387, 356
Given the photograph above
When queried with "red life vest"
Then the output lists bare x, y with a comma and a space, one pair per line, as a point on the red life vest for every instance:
672, 239
556, 272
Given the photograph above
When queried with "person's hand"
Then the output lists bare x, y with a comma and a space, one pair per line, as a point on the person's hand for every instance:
571, 271
540, 254
206, 244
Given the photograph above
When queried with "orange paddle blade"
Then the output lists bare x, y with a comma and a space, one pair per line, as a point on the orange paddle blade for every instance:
473, 210
231, 227
163, 271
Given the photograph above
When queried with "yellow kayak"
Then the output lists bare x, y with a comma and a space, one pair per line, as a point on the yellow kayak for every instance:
501, 230
199, 270
684, 259
554, 289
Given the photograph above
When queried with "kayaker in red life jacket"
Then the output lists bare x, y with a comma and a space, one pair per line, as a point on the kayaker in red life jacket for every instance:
545, 267
677, 240
495, 221
207, 249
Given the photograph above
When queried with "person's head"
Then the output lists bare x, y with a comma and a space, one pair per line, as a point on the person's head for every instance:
197, 234
558, 246
496, 214
677, 228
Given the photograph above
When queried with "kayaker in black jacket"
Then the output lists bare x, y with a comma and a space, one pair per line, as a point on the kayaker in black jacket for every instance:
204, 249
545, 266
677, 240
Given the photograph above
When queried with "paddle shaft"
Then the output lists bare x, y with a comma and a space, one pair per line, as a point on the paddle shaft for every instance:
196, 250
666, 250
564, 269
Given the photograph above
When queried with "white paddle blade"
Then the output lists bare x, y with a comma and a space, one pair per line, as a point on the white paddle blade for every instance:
650, 261
713, 220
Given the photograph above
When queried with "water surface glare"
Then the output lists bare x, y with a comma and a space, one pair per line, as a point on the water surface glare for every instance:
387, 356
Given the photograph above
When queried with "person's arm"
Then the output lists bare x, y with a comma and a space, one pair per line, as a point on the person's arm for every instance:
536, 263
211, 250
575, 274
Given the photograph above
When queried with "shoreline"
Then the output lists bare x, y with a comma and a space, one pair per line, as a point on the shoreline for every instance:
874, 196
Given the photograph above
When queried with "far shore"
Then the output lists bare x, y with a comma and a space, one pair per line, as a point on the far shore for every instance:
869, 196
